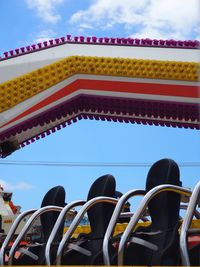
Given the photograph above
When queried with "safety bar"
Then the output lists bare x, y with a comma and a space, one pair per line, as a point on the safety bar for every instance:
130, 214
27, 226
194, 231
113, 221
59, 221
196, 212
141, 208
194, 199
77, 220
11, 233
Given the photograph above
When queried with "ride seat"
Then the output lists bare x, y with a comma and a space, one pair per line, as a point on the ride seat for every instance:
158, 244
99, 217
56, 197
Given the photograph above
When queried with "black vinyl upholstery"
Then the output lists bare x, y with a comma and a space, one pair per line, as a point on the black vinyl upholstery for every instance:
164, 212
99, 217
194, 254
55, 197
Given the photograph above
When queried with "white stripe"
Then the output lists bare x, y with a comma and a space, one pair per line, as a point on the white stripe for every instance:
17, 66
23, 106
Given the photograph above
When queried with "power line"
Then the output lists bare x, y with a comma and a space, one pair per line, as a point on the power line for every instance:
91, 164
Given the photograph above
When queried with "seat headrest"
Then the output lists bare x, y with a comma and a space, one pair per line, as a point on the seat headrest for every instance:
56, 197
99, 215
164, 208
118, 194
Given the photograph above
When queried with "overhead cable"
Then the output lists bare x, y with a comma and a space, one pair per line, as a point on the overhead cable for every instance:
90, 164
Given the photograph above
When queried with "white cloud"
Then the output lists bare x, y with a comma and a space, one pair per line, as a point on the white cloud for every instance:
143, 18
44, 36
86, 26
104, 12
13, 187
46, 9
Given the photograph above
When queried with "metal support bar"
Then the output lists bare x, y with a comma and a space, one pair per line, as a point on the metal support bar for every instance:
11, 233
77, 220
60, 219
196, 212
194, 199
113, 221
141, 208
27, 226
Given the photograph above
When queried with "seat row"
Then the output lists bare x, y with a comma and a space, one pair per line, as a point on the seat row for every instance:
165, 241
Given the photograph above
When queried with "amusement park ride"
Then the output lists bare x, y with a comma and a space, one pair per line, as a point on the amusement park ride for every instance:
46, 86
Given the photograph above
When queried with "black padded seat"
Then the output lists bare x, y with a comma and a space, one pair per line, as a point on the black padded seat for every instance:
99, 217
194, 255
158, 243
55, 197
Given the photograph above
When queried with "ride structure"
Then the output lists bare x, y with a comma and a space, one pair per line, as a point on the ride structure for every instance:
8, 212
47, 86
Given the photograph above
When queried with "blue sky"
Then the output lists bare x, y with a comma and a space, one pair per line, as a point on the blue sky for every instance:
29, 21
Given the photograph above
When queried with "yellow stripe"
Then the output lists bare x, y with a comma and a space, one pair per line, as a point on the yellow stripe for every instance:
19, 89
121, 227
195, 224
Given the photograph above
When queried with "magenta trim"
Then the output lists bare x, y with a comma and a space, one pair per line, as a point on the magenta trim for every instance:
190, 44
131, 108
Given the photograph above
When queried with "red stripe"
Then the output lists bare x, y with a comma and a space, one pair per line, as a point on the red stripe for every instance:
115, 86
